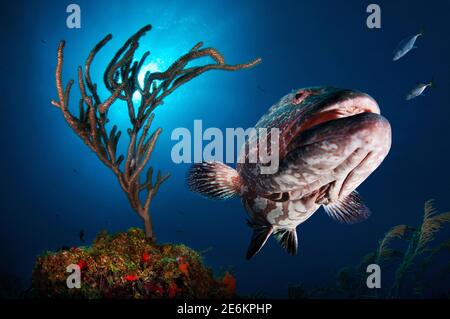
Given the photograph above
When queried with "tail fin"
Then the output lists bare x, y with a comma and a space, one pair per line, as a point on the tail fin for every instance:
214, 180
288, 239
432, 84
421, 31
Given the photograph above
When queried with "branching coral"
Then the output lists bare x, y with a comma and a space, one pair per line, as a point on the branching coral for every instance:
396, 232
418, 240
432, 222
121, 80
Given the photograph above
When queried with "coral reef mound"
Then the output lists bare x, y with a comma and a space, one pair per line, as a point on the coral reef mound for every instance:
126, 265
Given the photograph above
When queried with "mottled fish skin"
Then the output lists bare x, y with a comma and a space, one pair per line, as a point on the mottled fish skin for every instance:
331, 140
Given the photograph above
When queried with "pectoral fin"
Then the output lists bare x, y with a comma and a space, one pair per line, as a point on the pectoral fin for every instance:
214, 180
349, 210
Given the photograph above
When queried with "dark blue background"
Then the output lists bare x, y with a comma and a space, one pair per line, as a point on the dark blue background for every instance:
52, 186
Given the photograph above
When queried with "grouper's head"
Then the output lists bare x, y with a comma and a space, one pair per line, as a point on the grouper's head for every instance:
317, 105
331, 140
305, 108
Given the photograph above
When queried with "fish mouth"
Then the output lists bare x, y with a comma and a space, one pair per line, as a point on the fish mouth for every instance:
339, 144
341, 104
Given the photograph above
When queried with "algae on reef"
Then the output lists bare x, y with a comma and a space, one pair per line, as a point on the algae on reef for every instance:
126, 265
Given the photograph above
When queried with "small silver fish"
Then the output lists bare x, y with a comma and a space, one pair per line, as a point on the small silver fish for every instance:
405, 46
418, 90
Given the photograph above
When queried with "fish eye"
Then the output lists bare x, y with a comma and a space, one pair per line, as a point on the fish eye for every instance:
299, 97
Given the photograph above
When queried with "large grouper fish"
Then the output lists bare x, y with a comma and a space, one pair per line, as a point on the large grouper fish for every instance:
330, 141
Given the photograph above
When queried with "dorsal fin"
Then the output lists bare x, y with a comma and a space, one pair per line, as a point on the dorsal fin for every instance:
287, 237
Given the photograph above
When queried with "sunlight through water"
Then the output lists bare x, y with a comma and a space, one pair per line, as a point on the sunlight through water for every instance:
154, 66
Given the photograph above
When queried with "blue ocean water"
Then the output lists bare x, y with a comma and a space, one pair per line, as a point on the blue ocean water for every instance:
51, 185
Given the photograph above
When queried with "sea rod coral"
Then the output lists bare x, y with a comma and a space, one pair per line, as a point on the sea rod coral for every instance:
121, 80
